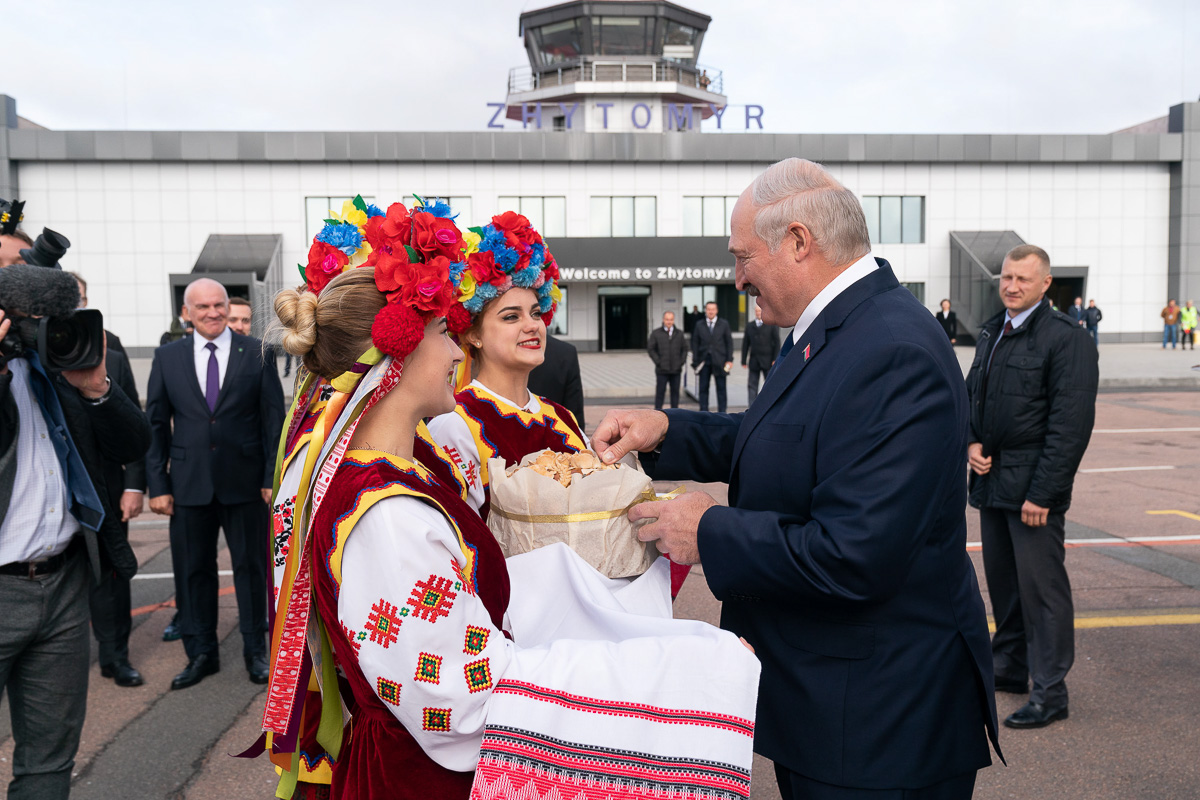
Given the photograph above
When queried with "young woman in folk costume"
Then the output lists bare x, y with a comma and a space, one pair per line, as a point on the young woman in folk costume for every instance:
510, 290
404, 594
304, 765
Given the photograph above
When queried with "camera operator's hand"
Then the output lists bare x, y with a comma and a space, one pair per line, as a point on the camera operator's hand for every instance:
163, 504
91, 383
5, 324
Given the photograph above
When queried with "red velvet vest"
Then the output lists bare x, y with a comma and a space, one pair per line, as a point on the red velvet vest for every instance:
380, 760
514, 434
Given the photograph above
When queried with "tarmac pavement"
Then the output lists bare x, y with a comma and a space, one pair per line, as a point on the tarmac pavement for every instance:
1134, 687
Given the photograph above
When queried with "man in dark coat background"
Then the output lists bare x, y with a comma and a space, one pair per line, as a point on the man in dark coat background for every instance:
760, 346
841, 557
1033, 402
712, 355
216, 410
557, 378
668, 350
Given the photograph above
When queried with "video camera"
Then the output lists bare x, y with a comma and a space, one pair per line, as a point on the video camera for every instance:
41, 301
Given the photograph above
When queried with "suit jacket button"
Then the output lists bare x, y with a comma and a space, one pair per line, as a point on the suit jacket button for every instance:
212, 447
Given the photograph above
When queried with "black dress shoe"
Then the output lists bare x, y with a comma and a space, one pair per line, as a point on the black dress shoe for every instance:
1034, 715
172, 633
197, 670
123, 674
258, 668
1012, 686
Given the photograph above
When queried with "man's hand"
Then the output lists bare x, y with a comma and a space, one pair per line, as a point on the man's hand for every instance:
625, 430
980, 465
91, 383
674, 525
5, 324
745, 366
131, 504
163, 504
728, 366
1034, 515
266, 495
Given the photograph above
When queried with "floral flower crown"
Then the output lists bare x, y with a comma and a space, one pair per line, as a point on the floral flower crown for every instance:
504, 254
418, 258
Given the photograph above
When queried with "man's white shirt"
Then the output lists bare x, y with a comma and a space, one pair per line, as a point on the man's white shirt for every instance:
37, 523
847, 278
201, 354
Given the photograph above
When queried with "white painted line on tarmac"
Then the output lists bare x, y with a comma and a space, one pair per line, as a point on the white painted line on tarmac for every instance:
1121, 539
1146, 430
1124, 469
161, 576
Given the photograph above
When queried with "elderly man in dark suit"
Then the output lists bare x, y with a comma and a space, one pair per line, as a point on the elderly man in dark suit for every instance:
216, 409
712, 355
842, 555
668, 350
760, 346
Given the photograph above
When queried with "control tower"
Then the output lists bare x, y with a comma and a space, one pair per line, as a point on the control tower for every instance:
614, 65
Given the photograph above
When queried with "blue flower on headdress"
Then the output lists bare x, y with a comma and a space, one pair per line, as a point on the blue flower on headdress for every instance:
438, 209
525, 278
456, 271
483, 293
374, 211
344, 237
537, 255
545, 301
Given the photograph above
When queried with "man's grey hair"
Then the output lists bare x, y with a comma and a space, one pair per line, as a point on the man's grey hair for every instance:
798, 190
200, 282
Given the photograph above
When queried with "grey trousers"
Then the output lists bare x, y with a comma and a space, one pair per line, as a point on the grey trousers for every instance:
1031, 602
44, 655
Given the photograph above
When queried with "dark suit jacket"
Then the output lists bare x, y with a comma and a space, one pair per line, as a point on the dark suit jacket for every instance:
557, 377
949, 323
760, 345
669, 353
842, 554
117, 476
227, 455
714, 349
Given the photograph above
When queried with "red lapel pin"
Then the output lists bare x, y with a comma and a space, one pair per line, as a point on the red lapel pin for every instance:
806, 349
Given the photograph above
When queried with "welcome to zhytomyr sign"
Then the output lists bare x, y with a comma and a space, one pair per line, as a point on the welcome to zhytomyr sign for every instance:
680, 116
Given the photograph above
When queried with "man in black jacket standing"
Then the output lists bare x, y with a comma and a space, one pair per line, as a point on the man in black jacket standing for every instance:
760, 346
216, 409
57, 526
712, 355
668, 351
1033, 402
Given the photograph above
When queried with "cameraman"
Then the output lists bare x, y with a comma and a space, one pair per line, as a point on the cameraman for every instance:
11, 245
56, 431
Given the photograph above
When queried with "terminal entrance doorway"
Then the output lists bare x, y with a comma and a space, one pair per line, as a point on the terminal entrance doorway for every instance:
623, 323
1068, 284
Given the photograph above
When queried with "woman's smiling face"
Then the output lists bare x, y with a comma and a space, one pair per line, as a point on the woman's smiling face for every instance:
429, 370
510, 333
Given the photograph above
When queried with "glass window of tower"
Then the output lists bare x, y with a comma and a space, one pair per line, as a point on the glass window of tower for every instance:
622, 36
559, 41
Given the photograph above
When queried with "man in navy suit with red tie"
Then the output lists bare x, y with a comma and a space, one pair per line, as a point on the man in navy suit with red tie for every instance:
216, 409
841, 557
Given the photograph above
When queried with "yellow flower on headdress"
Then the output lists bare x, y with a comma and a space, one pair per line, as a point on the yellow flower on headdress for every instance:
466, 289
470, 243
360, 256
350, 214
556, 294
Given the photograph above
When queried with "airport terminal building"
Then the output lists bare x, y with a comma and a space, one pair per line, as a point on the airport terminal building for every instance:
624, 149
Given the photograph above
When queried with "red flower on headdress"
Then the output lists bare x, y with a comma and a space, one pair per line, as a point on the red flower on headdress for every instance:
390, 269
427, 287
436, 236
518, 231
550, 267
325, 262
548, 316
397, 330
483, 267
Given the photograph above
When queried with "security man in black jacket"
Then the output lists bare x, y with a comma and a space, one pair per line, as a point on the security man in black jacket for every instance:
1032, 388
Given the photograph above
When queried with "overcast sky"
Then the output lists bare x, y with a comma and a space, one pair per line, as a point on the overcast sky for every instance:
869, 66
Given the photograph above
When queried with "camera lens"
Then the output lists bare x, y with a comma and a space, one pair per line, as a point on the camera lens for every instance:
65, 340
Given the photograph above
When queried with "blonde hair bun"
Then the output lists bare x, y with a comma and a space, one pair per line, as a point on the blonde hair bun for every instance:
297, 311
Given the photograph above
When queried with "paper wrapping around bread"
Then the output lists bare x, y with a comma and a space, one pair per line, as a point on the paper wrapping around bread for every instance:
531, 510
